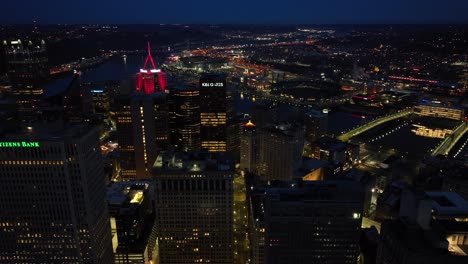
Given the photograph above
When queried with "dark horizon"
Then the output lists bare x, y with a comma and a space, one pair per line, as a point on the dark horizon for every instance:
239, 12
242, 24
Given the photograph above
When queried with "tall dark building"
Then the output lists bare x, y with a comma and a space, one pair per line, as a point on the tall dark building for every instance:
279, 149
248, 147
213, 113
313, 222
72, 104
132, 221
150, 122
53, 207
142, 131
185, 117
27, 68
194, 208
125, 137
316, 124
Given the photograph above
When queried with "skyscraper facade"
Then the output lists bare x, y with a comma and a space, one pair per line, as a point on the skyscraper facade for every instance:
132, 222
150, 123
194, 208
27, 67
248, 147
53, 206
316, 124
185, 117
125, 137
279, 151
213, 113
313, 222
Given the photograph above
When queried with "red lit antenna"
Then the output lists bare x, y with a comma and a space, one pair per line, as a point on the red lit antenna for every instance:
149, 57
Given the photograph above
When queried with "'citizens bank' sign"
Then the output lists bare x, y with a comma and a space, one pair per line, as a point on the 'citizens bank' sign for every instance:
19, 144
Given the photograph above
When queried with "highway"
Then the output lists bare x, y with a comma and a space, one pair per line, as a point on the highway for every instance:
361, 129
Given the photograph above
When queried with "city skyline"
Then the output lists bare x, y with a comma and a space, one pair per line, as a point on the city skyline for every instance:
173, 133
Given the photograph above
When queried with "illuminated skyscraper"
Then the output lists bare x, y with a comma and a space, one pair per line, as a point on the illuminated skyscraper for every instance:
143, 122
213, 113
146, 81
185, 117
53, 207
150, 124
27, 67
194, 208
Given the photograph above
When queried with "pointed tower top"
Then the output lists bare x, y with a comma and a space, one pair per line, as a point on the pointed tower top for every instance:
149, 58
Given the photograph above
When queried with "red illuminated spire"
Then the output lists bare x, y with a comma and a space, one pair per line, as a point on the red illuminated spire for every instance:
146, 77
149, 57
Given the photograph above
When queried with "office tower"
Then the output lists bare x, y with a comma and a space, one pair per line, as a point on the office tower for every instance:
150, 122
315, 125
132, 222
27, 68
125, 137
194, 207
185, 117
248, 147
101, 100
146, 80
72, 104
234, 129
142, 123
313, 222
213, 113
279, 151
256, 207
77, 101
53, 207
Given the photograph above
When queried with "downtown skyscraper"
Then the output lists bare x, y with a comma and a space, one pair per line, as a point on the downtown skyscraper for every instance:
213, 113
27, 68
143, 122
53, 206
194, 207
185, 117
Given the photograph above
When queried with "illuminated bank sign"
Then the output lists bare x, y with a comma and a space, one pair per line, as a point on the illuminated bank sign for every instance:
19, 144
213, 84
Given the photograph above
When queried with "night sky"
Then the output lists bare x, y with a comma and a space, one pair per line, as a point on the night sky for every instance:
236, 11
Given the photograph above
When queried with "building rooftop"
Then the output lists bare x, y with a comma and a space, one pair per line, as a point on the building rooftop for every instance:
308, 191
285, 129
414, 238
448, 204
51, 134
193, 162
330, 143
127, 196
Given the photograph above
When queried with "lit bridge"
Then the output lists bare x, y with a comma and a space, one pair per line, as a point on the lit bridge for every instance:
449, 142
376, 122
